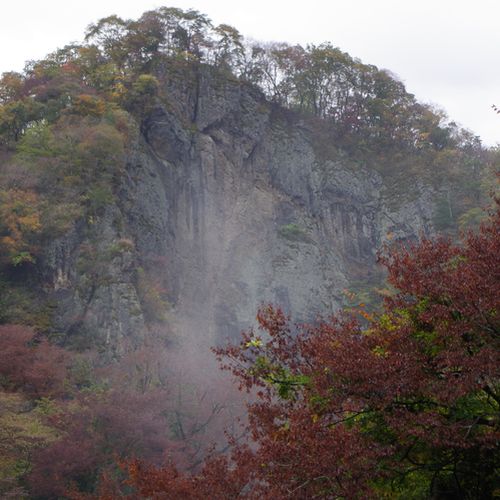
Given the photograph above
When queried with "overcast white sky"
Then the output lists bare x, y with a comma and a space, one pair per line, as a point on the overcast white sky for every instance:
446, 51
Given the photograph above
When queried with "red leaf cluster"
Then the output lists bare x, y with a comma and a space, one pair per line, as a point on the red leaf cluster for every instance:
31, 364
410, 401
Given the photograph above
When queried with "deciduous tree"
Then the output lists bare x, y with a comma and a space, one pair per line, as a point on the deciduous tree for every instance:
406, 405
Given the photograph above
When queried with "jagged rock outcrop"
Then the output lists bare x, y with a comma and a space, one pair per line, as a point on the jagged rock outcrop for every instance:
226, 203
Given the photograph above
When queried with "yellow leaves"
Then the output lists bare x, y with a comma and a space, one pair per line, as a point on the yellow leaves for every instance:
380, 351
360, 303
254, 343
30, 222
85, 105
20, 430
118, 92
335, 344
19, 222
146, 85
387, 322
8, 242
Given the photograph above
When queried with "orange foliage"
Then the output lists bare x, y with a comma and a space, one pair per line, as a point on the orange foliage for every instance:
85, 104
19, 222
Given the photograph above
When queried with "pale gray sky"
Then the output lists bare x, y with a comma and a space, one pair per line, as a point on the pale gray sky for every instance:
446, 51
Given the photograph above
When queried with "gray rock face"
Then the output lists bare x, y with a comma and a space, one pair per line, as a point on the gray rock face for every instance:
227, 205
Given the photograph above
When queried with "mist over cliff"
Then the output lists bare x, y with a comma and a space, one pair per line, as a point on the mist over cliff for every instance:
162, 180
228, 204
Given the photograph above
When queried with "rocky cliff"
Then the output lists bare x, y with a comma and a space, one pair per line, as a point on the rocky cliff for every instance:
227, 202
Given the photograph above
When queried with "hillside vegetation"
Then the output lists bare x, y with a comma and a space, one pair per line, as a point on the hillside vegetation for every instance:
67, 125
65, 121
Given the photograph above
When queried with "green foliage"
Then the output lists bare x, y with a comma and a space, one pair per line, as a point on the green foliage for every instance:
16, 117
37, 144
141, 96
443, 214
66, 121
98, 197
406, 406
65, 124
286, 383
22, 432
120, 247
22, 257
145, 85
82, 374
46, 406
364, 111
471, 219
74, 167
293, 232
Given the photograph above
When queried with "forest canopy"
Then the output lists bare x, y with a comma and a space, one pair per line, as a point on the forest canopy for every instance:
65, 120
359, 100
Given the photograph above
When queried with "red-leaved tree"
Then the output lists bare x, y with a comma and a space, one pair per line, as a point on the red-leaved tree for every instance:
407, 405
30, 364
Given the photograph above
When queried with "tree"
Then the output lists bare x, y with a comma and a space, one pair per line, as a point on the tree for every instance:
15, 117
87, 415
407, 405
97, 426
19, 225
29, 364
11, 86
108, 35
228, 47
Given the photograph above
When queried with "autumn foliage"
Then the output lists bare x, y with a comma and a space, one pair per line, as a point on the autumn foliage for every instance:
407, 406
31, 365
68, 420
404, 404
